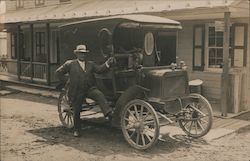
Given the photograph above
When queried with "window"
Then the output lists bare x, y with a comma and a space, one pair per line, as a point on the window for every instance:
215, 48
149, 43
198, 47
40, 44
208, 48
239, 45
39, 2
19, 3
13, 46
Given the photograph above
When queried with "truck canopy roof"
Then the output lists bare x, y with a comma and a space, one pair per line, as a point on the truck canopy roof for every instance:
132, 21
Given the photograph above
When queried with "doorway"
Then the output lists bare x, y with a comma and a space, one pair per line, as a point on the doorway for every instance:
166, 47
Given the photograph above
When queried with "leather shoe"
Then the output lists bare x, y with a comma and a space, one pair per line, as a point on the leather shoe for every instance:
76, 133
109, 116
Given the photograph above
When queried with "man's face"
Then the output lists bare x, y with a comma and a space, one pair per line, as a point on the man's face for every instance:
81, 56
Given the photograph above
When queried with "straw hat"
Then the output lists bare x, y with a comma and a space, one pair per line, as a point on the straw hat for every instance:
81, 49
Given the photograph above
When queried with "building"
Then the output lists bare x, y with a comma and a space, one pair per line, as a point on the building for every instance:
33, 53
200, 44
3, 36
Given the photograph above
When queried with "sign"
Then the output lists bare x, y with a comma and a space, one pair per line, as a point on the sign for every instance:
219, 26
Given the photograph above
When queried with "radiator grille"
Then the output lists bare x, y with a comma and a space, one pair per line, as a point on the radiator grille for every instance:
174, 86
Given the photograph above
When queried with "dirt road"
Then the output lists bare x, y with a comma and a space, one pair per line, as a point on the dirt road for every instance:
31, 131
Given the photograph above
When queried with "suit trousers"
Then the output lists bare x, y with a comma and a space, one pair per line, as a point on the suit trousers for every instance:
94, 94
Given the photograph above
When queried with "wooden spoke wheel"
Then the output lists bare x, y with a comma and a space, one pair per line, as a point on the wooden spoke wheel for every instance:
65, 110
197, 117
140, 124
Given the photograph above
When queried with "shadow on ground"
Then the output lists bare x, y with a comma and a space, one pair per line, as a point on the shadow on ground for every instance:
99, 138
31, 97
244, 116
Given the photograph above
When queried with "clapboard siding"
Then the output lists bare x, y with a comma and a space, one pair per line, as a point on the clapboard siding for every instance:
211, 81
184, 45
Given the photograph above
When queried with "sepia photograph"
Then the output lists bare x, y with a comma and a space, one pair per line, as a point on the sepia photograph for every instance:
125, 80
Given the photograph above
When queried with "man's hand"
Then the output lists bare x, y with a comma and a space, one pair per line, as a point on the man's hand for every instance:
111, 61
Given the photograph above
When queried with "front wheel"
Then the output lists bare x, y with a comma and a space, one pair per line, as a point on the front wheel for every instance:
65, 110
140, 124
197, 117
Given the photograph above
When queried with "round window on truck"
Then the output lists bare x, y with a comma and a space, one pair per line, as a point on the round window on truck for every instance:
149, 43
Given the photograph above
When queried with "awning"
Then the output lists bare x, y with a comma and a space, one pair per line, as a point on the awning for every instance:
98, 8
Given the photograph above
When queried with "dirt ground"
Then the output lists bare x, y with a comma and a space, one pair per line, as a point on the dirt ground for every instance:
31, 131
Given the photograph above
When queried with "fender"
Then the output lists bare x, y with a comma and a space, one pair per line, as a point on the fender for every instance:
133, 92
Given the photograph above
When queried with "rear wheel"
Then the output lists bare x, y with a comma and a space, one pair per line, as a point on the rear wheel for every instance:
197, 117
65, 110
140, 124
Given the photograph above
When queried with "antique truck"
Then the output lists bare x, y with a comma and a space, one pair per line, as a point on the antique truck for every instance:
146, 88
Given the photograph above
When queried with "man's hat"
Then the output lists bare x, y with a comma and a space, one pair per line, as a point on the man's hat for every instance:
81, 49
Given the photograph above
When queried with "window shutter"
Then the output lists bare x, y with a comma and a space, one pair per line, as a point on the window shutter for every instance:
198, 47
239, 45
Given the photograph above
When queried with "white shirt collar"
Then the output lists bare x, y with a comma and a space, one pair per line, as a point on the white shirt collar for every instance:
82, 64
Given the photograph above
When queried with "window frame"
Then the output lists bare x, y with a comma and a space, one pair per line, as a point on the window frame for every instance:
244, 47
207, 47
232, 47
149, 43
202, 47
39, 45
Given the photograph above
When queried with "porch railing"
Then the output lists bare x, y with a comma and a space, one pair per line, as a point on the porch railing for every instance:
39, 70
26, 69
8, 66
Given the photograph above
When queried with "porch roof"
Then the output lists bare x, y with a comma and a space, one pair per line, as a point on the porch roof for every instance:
98, 8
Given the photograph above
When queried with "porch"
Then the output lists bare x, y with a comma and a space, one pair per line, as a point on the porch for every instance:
32, 53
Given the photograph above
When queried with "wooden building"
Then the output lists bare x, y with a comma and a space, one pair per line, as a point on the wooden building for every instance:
200, 45
210, 29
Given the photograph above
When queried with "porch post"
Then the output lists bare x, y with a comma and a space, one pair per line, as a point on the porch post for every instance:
248, 60
18, 52
225, 72
32, 50
48, 55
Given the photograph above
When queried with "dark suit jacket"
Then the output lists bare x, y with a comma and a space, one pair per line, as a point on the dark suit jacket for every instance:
79, 81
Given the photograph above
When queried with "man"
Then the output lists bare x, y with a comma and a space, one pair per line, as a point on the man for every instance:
82, 83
